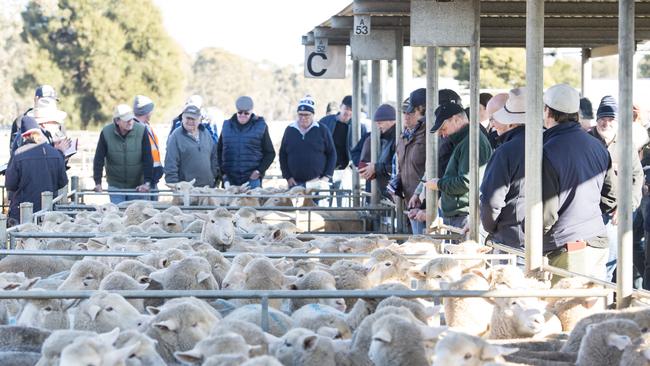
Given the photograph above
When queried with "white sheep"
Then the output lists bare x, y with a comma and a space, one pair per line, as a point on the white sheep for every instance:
522, 318
279, 323
218, 228
316, 280
461, 349
252, 333
144, 353
638, 353
436, 272
468, 314
192, 273
385, 266
571, 309
122, 281
227, 342
85, 275
54, 344
397, 341
303, 347
323, 320
47, 314
136, 270
604, 342
104, 311
96, 350
35, 266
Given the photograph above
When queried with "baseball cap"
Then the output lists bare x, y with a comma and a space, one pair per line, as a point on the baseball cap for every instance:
417, 98
192, 111
562, 98
123, 112
46, 91
444, 112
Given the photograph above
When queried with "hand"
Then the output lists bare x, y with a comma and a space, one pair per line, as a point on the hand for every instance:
466, 228
368, 171
412, 213
291, 182
255, 175
98, 187
432, 184
421, 216
143, 188
615, 217
63, 145
414, 202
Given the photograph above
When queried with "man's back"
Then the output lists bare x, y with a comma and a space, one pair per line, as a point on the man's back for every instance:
574, 171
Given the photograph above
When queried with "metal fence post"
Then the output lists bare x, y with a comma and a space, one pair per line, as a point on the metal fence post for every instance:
265, 313
46, 200
3, 231
26, 212
74, 186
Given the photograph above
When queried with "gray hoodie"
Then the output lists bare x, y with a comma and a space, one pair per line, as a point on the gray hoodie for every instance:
187, 158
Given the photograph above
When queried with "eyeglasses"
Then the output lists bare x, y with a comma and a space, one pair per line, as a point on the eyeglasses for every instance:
245, 113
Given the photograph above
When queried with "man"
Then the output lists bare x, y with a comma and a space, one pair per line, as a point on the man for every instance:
605, 131
50, 119
143, 109
197, 101
340, 128
124, 149
576, 184
385, 119
451, 122
411, 156
245, 148
484, 116
502, 197
191, 152
36, 167
43, 91
307, 152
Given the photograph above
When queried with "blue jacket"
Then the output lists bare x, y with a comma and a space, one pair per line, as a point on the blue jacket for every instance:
243, 149
35, 168
503, 205
576, 187
309, 156
330, 122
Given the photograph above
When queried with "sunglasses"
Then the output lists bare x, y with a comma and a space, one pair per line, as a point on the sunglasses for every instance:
245, 113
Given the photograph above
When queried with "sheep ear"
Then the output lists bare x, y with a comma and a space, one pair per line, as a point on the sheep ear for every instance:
486, 275
143, 286
383, 335
484, 249
309, 343
153, 310
432, 310
202, 216
118, 356
270, 338
417, 274
491, 351
111, 337
168, 325
92, 311
618, 341
432, 333
144, 279
171, 185
29, 283
192, 181
589, 302
158, 275
193, 357
203, 276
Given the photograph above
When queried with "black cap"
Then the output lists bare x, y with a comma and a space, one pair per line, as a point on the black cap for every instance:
444, 112
417, 98
448, 96
347, 101
586, 109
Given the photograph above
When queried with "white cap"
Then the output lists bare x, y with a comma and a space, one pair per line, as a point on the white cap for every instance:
514, 111
562, 98
195, 100
123, 112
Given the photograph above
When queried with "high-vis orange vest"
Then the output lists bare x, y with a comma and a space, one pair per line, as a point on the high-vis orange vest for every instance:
153, 141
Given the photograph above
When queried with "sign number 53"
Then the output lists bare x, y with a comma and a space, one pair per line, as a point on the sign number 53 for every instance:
362, 25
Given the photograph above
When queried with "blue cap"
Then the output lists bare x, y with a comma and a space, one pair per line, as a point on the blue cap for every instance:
417, 98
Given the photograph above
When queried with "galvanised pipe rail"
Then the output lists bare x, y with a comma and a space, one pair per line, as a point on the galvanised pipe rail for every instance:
230, 208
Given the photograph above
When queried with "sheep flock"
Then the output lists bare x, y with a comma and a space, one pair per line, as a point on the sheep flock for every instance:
107, 329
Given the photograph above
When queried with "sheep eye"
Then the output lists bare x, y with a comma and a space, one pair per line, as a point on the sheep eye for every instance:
467, 356
388, 264
195, 324
212, 221
88, 278
109, 308
287, 344
47, 308
644, 329
300, 275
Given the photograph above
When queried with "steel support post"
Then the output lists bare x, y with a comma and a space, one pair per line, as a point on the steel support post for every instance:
46, 201
431, 167
356, 125
474, 159
375, 101
625, 151
26, 212
534, 127
399, 81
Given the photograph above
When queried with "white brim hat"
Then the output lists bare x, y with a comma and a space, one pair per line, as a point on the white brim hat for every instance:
47, 111
514, 112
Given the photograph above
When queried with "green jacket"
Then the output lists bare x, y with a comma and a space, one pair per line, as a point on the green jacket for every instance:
124, 165
454, 185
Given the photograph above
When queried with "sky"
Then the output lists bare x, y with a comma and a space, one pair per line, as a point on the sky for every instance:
256, 29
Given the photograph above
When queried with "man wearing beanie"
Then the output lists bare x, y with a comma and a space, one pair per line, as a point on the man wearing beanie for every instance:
245, 148
381, 169
307, 151
576, 188
605, 131
143, 109
340, 127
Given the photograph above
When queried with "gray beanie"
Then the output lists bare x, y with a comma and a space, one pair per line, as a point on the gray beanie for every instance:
142, 105
384, 112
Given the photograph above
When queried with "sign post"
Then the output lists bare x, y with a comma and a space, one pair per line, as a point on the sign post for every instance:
323, 61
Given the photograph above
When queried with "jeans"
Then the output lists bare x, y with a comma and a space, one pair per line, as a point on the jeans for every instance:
117, 198
254, 183
455, 221
612, 236
417, 226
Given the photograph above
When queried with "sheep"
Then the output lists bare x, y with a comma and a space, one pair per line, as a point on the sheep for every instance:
111, 223
521, 318
641, 316
228, 342
226, 359
303, 347
85, 275
220, 265
192, 273
468, 314
15, 358
316, 280
279, 323
436, 272
604, 342
96, 350
350, 275
260, 274
397, 341
419, 245
135, 269
638, 353
164, 221
47, 314
35, 266
571, 310
145, 352
469, 248
252, 333
10, 308
22, 340
301, 267
460, 349
218, 228
185, 300
106, 208
53, 218
54, 344
422, 313
385, 265
162, 259
260, 361
179, 328
104, 311
137, 212
322, 319
122, 281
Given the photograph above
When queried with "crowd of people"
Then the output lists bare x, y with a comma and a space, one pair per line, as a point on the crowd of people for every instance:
579, 162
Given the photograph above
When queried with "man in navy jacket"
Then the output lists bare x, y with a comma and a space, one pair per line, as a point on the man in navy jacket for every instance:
307, 150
